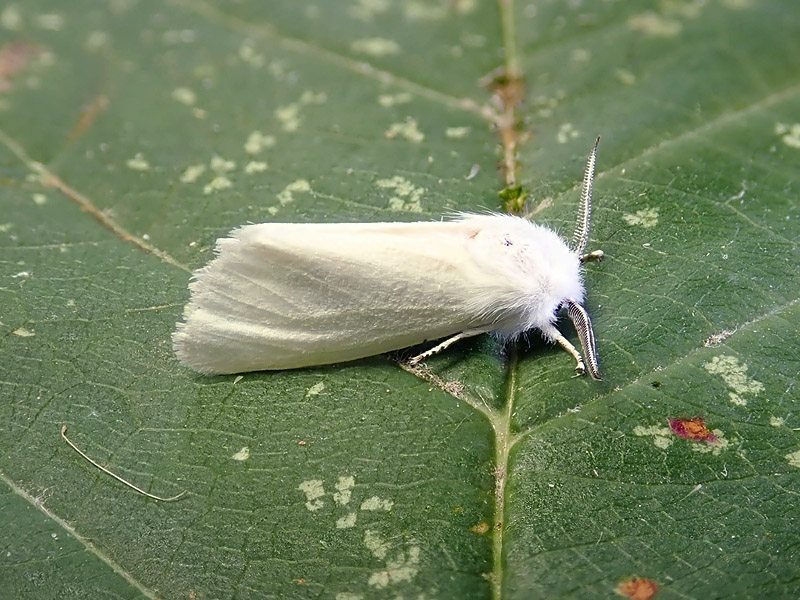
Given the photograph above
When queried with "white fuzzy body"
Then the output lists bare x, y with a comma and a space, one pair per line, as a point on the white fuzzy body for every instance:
282, 296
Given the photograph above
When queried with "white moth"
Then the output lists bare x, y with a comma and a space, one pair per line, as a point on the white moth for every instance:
287, 295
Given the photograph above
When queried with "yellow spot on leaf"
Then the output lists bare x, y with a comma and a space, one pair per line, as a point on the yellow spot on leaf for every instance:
257, 141
221, 165
662, 436
184, 95
389, 100
653, 24
734, 374
50, 21
315, 389
287, 195
220, 182
374, 503
407, 129
566, 132
191, 174
790, 134
407, 198
11, 18
242, 454
625, 76
375, 46
646, 218
255, 166
344, 488
138, 163
457, 132
347, 521
794, 459
314, 490
365, 10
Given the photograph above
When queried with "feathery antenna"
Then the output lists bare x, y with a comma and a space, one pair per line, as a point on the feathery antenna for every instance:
581, 235
586, 335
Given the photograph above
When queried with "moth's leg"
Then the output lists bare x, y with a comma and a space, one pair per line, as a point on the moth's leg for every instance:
414, 360
555, 334
595, 255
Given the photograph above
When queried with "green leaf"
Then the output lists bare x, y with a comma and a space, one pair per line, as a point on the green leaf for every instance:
134, 134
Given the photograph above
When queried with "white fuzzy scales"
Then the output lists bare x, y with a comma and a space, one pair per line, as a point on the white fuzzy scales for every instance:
282, 296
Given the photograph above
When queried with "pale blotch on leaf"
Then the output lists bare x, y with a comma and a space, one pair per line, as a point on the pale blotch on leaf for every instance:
314, 490
416, 10
457, 132
311, 97
348, 596
403, 567
625, 76
408, 129
375, 544
221, 165
22, 332
344, 488
96, 40
219, 183
39, 199
737, 4
419, 10
651, 23
257, 141
49, 21
179, 36
287, 195
375, 46
566, 132
11, 18
346, 522
255, 166
374, 503
242, 454
184, 95
736, 399
734, 374
777, 421
389, 100
289, 115
138, 163
790, 134
249, 56
365, 10
580, 55
473, 40
794, 459
716, 447
407, 196
662, 436
192, 173
315, 389
646, 218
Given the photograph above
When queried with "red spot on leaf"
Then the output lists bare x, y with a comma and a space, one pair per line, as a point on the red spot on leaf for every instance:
692, 429
14, 56
637, 588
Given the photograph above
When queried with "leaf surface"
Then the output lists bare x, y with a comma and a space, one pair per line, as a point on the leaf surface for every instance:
133, 135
